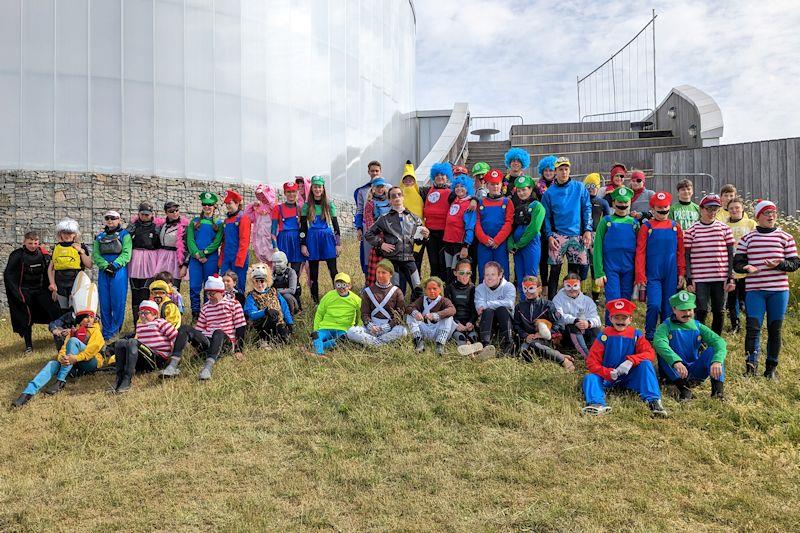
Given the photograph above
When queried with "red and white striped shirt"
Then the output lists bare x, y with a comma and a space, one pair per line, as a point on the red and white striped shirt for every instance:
158, 335
708, 247
226, 315
758, 247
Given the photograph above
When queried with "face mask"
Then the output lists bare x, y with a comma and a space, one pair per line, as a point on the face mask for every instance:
572, 287
339, 285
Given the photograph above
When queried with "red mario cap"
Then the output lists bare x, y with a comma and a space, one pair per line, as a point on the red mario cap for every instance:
661, 198
493, 176
620, 306
289, 186
458, 169
232, 196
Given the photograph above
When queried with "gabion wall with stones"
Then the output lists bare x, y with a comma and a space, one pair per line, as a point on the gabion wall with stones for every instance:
37, 200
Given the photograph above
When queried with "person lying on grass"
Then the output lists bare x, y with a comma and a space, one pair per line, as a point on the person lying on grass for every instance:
338, 311
621, 358
430, 317
678, 343
536, 326
382, 310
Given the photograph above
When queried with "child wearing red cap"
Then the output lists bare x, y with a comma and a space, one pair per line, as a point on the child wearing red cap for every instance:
640, 205
621, 358
286, 228
234, 253
660, 261
494, 223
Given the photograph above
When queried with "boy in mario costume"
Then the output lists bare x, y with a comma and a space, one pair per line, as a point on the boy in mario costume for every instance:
621, 357
234, 254
494, 223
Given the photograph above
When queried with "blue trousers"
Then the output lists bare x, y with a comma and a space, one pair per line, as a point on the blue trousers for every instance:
198, 274
486, 254
113, 292
642, 379
619, 284
325, 339
526, 262
699, 370
757, 304
658, 308
54, 368
241, 273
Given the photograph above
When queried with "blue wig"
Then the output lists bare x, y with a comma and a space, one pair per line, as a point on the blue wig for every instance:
466, 181
547, 162
520, 155
442, 168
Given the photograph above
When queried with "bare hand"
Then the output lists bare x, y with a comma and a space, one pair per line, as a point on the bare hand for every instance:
239, 356
716, 370
480, 310
681, 282
750, 269
470, 326
473, 204
77, 246
360, 234
460, 327
552, 243
464, 253
680, 368
490, 243
425, 232
772, 263
601, 282
417, 315
304, 250
374, 329
203, 260
690, 287
568, 365
531, 337
182, 272
587, 238
386, 247
54, 295
582, 325
730, 287
338, 250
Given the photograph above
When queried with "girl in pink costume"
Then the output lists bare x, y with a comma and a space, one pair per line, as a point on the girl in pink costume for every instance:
259, 213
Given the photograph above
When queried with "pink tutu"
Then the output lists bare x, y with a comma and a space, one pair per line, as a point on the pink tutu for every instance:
145, 264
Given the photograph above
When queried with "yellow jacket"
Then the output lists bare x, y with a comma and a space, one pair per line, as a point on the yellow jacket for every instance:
94, 343
413, 202
170, 313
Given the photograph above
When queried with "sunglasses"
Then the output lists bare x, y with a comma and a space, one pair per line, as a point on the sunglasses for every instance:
112, 218
170, 211
464, 272
637, 180
396, 195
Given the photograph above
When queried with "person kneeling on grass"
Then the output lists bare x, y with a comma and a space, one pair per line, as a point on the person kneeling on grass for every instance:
689, 351
430, 317
338, 311
536, 325
266, 309
80, 354
621, 358
153, 341
382, 310
221, 325
494, 301
578, 316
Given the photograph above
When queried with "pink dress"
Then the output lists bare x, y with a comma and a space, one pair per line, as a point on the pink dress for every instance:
259, 213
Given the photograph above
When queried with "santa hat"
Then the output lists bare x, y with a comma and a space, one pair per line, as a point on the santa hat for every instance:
232, 196
661, 199
764, 205
149, 305
620, 306
214, 284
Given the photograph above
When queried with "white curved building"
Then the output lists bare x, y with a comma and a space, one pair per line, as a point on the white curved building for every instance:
239, 90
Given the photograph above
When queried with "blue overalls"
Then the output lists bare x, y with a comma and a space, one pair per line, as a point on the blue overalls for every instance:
687, 344
231, 249
200, 272
321, 242
526, 260
641, 378
289, 236
661, 269
112, 291
619, 252
492, 218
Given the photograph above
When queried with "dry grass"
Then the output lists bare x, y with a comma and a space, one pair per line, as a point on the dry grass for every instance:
387, 439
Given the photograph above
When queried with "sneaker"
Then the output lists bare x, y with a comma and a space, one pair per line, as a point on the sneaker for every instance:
205, 373
124, 386
771, 374
657, 408
55, 388
21, 400
750, 369
419, 345
439, 349
488, 352
595, 409
264, 344
28, 350
469, 349
172, 369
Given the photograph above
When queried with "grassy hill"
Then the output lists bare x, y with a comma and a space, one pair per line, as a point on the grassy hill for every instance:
389, 439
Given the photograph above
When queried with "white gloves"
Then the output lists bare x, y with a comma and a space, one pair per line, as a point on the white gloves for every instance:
621, 370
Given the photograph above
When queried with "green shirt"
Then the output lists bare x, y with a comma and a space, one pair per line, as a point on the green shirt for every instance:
122, 259
600, 234
191, 244
686, 215
536, 210
338, 312
318, 209
665, 351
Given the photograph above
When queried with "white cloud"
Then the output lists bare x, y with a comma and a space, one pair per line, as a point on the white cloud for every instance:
522, 57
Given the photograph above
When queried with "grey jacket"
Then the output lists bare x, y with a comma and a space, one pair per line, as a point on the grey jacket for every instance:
397, 229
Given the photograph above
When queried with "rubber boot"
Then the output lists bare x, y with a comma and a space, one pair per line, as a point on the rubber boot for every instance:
55, 388
21, 400
684, 392
718, 389
770, 372
419, 344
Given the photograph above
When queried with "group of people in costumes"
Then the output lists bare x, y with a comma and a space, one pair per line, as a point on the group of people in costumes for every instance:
678, 259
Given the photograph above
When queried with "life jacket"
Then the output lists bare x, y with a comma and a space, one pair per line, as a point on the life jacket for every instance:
66, 257
454, 223
522, 211
280, 281
109, 243
168, 236
34, 269
145, 236
460, 298
436, 208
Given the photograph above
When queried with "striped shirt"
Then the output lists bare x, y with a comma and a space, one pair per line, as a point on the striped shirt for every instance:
158, 335
227, 315
758, 247
707, 245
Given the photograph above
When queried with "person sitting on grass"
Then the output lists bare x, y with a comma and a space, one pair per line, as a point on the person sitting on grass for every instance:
578, 316
621, 358
147, 350
174, 294
285, 280
494, 302
220, 326
161, 293
430, 317
678, 343
338, 311
231, 281
265, 308
462, 294
80, 354
382, 310
536, 326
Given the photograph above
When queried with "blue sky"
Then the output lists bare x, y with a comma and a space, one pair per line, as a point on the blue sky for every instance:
522, 56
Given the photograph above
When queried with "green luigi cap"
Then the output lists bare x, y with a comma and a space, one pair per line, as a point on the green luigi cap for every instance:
523, 181
208, 198
318, 180
622, 194
683, 300
480, 168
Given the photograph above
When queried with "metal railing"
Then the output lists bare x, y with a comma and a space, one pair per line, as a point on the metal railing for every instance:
700, 186
615, 113
501, 123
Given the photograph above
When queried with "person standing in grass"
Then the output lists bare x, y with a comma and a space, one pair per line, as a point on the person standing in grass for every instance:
537, 327
479, 170
600, 208
685, 212
546, 169
234, 252
435, 209
337, 312
459, 231
203, 238
377, 205
678, 343
110, 253
517, 161
709, 262
525, 242
740, 225
766, 255
494, 302
319, 233
578, 316
69, 257
640, 204
430, 317
621, 358
494, 223
617, 178
286, 229
382, 310
360, 197
412, 199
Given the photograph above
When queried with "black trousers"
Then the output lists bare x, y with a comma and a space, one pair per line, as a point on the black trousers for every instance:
268, 328
140, 291
435, 246
496, 320
402, 279
208, 346
735, 303
712, 292
313, 270
554, 277
132, 355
